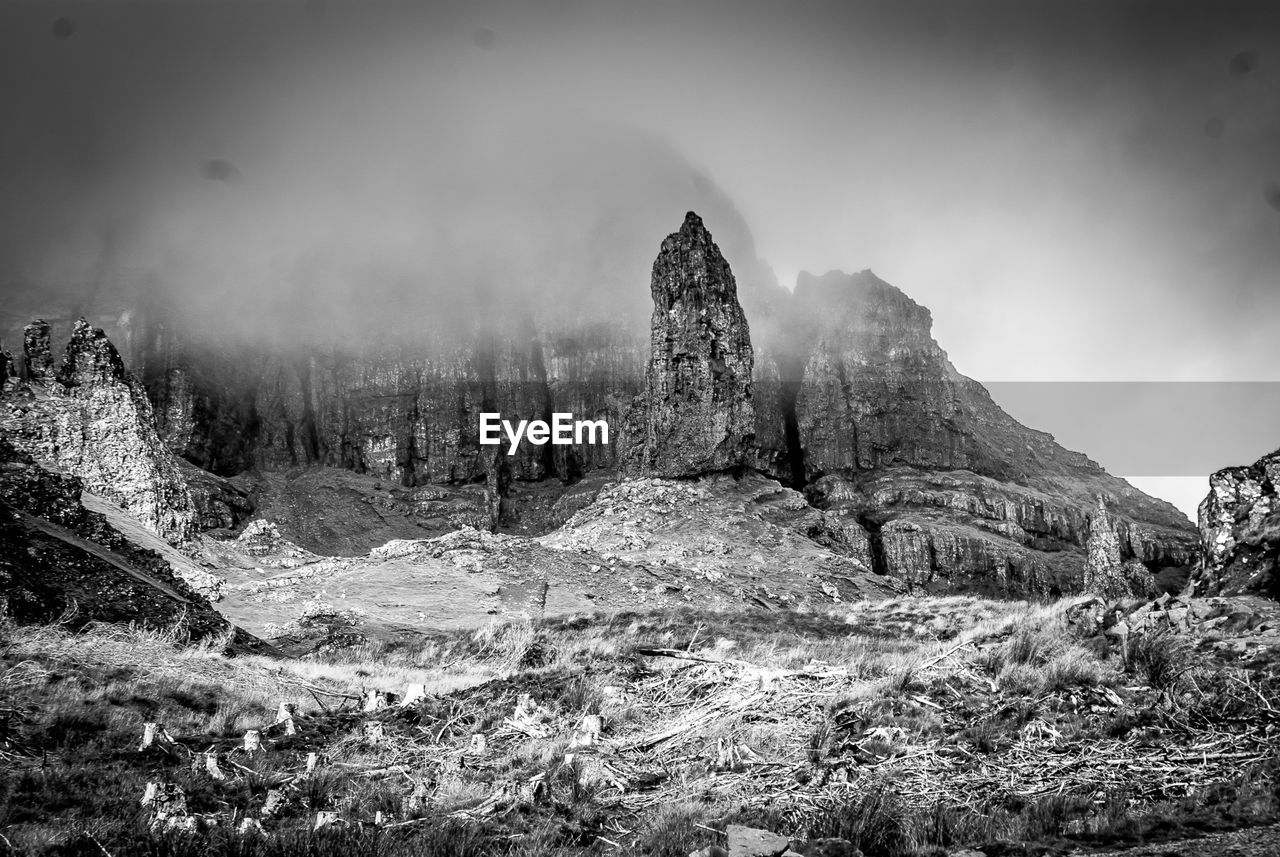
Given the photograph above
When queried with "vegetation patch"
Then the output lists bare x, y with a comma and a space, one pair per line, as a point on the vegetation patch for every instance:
904, 727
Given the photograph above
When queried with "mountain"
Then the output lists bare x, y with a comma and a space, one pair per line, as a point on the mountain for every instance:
874, 420
843, 395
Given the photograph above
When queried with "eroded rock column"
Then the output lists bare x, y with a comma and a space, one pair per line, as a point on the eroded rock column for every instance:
696, 414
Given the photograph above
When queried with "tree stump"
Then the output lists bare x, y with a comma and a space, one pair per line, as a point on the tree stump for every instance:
588, 732
533, 791
208, 761
252, 741
165, 799
250, 827
326, 818
154, 735
417, 800
284, 718
376, 700
276, 799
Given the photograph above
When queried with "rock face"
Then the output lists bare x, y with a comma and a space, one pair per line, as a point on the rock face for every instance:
695, 415
747, 537
220, 503
1240, 531
1104, 572
92, 420
37, 355
406, 415
1102, 567
57, 557
955, 494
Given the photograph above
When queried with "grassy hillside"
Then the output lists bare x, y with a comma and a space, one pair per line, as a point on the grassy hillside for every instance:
907, 727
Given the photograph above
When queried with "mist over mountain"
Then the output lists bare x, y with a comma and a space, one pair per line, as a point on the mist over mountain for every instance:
551, 215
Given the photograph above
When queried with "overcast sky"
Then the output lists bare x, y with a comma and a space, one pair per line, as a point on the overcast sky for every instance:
1078, 191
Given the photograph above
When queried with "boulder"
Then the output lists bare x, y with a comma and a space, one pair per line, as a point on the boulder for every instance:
1240, 531
753, 842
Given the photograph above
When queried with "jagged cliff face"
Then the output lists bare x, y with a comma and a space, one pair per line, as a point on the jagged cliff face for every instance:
954, 493
405, 413
1240, 531
696, 414
874, 389
90, 419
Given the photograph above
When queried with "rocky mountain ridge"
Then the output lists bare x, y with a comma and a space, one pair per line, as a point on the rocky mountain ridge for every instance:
846, 397
953, 492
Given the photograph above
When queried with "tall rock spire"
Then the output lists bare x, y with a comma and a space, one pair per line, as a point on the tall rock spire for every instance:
37, 355
696, 414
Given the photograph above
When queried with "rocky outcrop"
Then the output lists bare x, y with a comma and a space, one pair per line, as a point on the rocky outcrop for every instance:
876, 391
957, 531
956, 495
718, 542
58, 559
220, 504
1240, 531
696, 414
37, 354
1105, 574
90, 419
8, 370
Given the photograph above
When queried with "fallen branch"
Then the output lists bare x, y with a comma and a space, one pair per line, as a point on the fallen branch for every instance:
948, 653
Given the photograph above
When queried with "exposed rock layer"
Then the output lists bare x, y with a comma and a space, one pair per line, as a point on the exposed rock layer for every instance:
641, 543
1240, 531
955, 494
